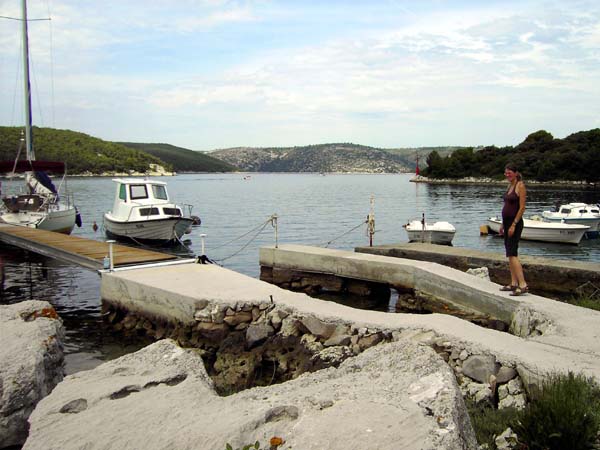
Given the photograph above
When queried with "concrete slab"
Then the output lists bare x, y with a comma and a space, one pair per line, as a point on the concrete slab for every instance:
549, 275
570, 341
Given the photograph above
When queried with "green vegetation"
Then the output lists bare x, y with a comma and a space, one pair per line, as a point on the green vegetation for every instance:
564, 412
182, 159
81, 153
539, 157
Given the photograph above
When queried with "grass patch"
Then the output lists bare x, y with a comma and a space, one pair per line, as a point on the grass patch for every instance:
489, 422
585, 302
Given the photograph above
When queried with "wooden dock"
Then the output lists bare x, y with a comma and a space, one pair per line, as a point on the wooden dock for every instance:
88, 253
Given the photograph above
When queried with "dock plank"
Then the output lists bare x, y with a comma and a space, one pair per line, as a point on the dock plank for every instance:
86, 252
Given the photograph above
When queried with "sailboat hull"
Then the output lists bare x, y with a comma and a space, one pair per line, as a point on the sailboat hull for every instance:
59, 221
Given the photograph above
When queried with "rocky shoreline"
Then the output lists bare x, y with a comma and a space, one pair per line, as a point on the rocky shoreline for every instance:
487, 181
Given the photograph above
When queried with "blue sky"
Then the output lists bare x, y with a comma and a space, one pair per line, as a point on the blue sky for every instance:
207, 74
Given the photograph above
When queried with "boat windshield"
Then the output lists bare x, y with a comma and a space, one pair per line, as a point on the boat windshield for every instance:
138, 191
160, 192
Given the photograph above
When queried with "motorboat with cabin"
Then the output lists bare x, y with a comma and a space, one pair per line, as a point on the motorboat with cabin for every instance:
432, 233
39, 203
538, 230
576, 213
143, 213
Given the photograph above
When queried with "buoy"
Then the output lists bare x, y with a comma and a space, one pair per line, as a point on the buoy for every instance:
95, 226
484, 230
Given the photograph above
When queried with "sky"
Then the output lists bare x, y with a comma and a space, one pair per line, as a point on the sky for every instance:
209, 74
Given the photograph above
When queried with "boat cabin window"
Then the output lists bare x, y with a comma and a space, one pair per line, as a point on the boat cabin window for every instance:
159, 192
123, 192
149, 212
595, 211
565, 210
138, 191
172, 211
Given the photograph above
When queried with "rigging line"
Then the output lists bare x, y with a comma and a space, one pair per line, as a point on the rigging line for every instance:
37, 91
345, 233
245, 234
19, 19
246, 245
53, 109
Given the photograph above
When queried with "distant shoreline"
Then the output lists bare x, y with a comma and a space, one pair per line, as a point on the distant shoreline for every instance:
487, 181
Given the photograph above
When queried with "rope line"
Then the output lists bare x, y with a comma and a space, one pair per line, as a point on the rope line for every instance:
326, 244
246, 244
245, 234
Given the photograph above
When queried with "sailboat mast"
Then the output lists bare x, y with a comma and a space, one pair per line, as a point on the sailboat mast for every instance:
27, 85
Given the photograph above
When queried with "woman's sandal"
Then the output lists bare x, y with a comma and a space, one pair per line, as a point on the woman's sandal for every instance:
508, 287
520, 291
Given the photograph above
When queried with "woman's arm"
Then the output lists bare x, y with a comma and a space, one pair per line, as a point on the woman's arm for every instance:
522, 193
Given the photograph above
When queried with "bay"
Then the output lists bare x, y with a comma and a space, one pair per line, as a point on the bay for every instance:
312, 209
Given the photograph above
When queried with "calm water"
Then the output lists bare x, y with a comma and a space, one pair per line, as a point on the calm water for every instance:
311, 209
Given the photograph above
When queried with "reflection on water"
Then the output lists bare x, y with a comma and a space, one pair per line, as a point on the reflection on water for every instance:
312, 210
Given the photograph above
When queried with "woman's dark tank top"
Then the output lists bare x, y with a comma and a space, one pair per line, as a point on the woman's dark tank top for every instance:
511, 205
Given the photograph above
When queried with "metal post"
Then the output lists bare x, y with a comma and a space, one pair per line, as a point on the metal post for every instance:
110, 255
274, 224
202, 236
371, 221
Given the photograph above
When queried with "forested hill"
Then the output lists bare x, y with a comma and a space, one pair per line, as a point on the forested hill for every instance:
82, 153
317, 158
539, 157
183, 159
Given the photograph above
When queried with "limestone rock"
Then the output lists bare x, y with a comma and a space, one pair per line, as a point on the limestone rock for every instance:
237, 318
480, 367
317, 327
161, 397
289, 327
507, 440
31, 364
258, 333
527, 322
505, 374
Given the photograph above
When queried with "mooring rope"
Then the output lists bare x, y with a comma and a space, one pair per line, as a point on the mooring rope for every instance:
326, 244
262, 227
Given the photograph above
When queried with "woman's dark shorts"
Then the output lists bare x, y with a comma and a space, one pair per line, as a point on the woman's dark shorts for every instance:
511, 244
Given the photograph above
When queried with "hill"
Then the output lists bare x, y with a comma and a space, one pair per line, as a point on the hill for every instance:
183, 159
540, 157
82, 153
339, 157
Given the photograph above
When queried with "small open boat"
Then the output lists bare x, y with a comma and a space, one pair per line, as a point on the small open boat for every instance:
577, 213
143, 213
432, 233
536, 230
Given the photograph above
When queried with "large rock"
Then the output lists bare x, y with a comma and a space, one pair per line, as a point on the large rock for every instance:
398, 395
31, 364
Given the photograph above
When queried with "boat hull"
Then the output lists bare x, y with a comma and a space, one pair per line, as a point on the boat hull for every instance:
534, 230
436, 233
431, 237
594, 224
153, 232
59, 221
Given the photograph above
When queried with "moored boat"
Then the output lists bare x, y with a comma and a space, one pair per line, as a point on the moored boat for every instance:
537, 230
432, 233
577, 213
143, 213
38, 204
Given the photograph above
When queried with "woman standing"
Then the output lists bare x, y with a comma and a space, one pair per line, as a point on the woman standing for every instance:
512, 227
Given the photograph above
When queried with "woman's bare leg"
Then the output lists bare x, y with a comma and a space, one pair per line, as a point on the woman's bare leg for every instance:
516, 272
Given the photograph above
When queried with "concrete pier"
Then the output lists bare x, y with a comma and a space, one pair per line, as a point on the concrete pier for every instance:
553, 276
555, 336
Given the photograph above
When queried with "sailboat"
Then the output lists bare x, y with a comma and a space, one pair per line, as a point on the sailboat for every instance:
38, 204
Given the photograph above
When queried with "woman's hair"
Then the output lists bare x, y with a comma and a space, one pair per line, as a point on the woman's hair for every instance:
513, 168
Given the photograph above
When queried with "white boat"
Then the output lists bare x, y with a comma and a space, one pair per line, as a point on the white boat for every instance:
436, 233
143, 213
38, 204
537, 230
577, 213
